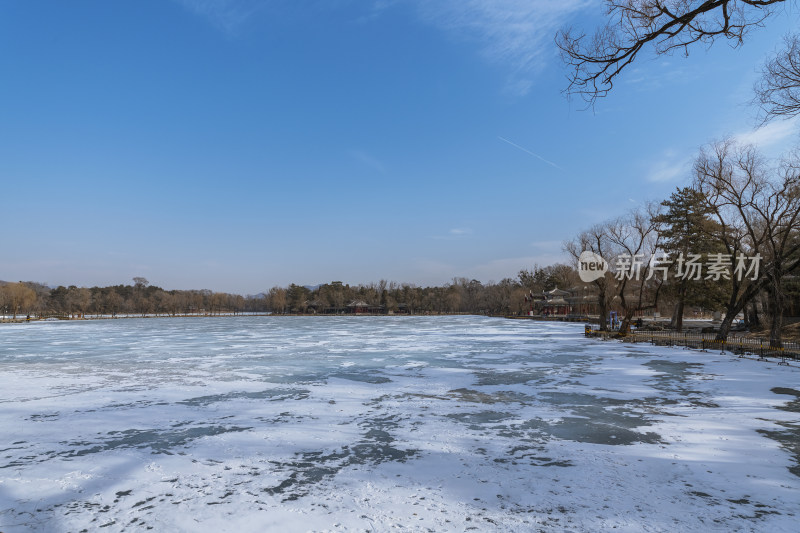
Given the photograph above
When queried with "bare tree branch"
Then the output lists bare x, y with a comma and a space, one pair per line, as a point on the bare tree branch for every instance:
663, 25
758, 208
778, 89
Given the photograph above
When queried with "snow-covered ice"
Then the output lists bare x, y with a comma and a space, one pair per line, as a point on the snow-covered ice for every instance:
386, 423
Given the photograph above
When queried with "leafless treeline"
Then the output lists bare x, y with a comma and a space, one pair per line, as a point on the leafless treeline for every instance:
36, 299
461, 295
742, 211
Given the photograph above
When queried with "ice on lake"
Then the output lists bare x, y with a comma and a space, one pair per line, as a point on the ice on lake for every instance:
386, 423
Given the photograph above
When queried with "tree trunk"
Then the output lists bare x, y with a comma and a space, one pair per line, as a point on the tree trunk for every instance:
677, 315
725, 327
776, 305
681, 304
603, 310
735, 304
751, 317
731, 310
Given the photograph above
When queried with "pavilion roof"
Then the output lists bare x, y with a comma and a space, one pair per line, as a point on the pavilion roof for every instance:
557, 292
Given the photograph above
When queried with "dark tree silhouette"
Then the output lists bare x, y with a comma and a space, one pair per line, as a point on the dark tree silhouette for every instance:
664, 26
778, 89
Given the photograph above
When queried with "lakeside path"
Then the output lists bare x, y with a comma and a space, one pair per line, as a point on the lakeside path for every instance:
410, 423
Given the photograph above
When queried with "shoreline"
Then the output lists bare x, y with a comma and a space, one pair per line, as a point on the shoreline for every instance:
23, 320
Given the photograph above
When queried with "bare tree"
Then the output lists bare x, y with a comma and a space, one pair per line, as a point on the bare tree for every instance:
635, 237
237, 303
140, 301
18, 298
629, 245
163, 302
662, 25
778, 89
757, 209
113, 302
82, 300
3, 298
596, 240
277, 299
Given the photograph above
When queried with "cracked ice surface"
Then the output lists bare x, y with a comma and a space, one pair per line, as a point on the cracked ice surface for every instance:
381, 423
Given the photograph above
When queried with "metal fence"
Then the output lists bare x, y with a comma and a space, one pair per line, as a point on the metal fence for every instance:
707, 342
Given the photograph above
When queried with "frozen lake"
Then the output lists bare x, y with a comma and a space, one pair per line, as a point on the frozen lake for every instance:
381, 423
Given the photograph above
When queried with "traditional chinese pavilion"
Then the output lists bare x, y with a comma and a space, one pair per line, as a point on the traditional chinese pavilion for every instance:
554, 303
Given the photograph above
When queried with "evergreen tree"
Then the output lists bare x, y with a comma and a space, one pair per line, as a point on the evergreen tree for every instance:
686, 228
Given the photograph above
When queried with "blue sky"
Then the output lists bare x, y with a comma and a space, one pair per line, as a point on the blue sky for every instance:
240, 144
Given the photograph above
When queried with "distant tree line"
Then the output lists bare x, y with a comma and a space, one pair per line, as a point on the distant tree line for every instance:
461, 295
37, 299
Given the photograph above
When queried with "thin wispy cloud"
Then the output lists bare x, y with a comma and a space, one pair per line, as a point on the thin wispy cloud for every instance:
517, 34
454, 234
228, 15
368, 161
376, 9
652, 77
672, 166
772, 134
537, 156
675, 166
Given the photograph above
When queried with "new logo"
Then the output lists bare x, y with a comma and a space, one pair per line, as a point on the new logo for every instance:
591, 266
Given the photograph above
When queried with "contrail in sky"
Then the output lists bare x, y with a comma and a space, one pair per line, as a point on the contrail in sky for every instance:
515, 145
